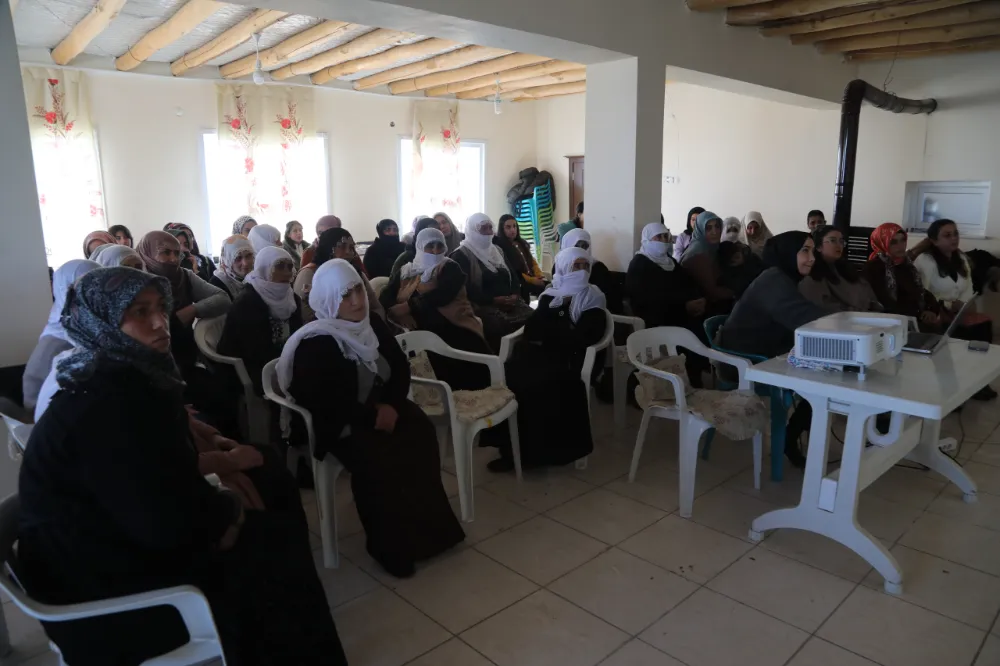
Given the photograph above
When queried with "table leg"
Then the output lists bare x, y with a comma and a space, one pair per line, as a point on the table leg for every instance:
927, 452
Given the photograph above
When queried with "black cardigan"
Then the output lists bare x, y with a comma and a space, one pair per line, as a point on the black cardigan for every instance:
503, 282
380, 257
450, 280
658, 296
247, 334
563, 343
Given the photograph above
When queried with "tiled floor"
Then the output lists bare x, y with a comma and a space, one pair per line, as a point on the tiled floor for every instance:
578, 568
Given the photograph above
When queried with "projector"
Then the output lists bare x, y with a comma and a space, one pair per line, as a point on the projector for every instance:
852, 339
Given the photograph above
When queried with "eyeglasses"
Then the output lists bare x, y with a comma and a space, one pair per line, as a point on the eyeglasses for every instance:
833, 240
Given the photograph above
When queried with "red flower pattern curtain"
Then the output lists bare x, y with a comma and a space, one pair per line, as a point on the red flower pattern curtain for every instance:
436, 145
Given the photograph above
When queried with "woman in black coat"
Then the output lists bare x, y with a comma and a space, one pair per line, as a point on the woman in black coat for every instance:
382, 254
117, 506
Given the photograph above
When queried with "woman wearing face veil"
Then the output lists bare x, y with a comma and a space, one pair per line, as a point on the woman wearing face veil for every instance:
382, 254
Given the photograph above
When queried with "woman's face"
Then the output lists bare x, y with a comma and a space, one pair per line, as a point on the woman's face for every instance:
897, 245
805, 257
752, 229
247, 226
832, 248
243, 263
282, 271
713, 231
663, 238
692, 220
580, 264
947, 240
122, 239
584, 245
93, 245
147, 321
486, 229
580, 218
345, 249
510, 229
434, 248
444, 225
296, 233
352, 307
185, 243
132, 261
391, 230
168, 255
736, 259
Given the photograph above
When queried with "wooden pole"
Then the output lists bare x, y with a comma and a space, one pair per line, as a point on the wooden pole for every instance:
386, 58
298, 43
909, 37
547, 91
353, 49
550, 67
980, 11
227, 41
571, 76
459, 58
83, 32
842, 19
783, 9
711, 5
488, 67
924, 50
181, 23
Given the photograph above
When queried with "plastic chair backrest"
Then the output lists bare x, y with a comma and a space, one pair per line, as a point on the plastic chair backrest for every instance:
378, 284
207, 333
606, 340
712, 326
21, 432
647, 345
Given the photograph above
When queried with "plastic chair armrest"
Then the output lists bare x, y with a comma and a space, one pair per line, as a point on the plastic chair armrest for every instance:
507, 344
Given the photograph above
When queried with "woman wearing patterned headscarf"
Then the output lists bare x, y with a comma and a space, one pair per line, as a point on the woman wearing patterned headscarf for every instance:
235, 262
94, 240
452, 236
700, 259
895, 279
193, 259
243, 225
112, 507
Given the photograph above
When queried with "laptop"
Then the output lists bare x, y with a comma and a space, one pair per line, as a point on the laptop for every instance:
928, 343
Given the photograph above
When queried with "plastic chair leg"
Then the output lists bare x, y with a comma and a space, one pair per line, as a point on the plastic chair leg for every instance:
619, 377
691, 432
325, 478
779, 424
639, 441
463, 469
758, 453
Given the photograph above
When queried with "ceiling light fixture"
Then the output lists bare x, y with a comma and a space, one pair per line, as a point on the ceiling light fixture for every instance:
496, 99
260, 77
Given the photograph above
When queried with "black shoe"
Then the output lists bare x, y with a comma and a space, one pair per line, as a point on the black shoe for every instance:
500, 465
398, 569
794, 455
985, 393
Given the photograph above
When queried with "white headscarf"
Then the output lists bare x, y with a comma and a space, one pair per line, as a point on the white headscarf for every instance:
423, 262
357, 340
65, 277
481, 245
264, 235
574, 236
278, 295
732, 229
232, 248
109, 256
756, 245
575, 285
657, 251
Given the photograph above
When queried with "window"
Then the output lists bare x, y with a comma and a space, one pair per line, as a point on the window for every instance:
965, 202
472, 172
226, 189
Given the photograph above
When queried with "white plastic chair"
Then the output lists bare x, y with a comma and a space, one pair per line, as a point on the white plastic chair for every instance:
621, 368
204, 643
378, 284
325, 472
464, 431
207, 333
645, 346
18, 432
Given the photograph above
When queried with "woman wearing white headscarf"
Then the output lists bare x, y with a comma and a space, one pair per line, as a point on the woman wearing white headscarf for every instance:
265, 315
493, 287
109, 256
235, 262
544, 370
348, 371
264, 235
755, 232
600, 274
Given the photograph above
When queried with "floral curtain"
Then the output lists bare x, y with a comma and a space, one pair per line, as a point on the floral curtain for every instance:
67, 165
435, 179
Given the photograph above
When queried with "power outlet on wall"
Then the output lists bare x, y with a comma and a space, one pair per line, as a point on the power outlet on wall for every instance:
671, 180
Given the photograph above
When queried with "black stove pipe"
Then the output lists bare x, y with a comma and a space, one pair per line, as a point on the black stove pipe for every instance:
856, 92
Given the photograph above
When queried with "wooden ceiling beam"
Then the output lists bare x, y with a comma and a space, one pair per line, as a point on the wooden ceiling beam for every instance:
386, 58
909, 37
356, 48
926, 50
542, 92
570, 76
184, 20
489, 67
980, 11
458, 58
84, 32
712, 5
550, 67
846, 19
785, 9
297, 44
227, 41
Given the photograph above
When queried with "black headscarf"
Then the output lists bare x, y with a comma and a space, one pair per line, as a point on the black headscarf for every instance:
781, 252
381, 227
688, 227
327, 245
382, 254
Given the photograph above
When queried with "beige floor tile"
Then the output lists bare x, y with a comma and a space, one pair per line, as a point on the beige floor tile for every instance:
452, 653
990, 654
494, 514
344, 583
354, 549
462, 589
818, 551
544, 630
708, 629
818, 652
796, 593
780, 493
884, 519
365, 625
728, 455
975, 547
729, 511
914, 487
480, 457
605, 515
707, 474
988, 454
686, 548
984, 512
637, 653
987, 477
624, 590
945, 587
348, 521
540, 490
655, 485
893, 632
541, 549
605, 464
450, 483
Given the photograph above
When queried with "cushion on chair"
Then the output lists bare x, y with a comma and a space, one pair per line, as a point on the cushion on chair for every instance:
474, 405
658, 389
736, 414
427, 398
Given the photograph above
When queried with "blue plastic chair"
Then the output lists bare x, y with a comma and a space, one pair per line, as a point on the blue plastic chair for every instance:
781, 400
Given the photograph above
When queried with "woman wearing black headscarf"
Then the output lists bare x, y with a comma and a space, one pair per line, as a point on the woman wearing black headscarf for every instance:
332, 244
382, 254
103, 517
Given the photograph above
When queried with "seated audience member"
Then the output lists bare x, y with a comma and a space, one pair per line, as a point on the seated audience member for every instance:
109, 256
834, 283
896, 281
815, 219
684, 238
544, 369
102, 516
575, 223
94, 240
294, 245
192, 258
409, 251
731, 230
519, 257
452, 236
739, 266
755, 232
53, 339
335, 243
264, 235
243, 225
701, 261
348, 371
235, 262
600, 274
494, 289
264, 316
322, 224
382, 254
122, 235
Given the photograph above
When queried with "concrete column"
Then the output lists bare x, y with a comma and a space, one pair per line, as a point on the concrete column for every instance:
624, 152
26, 297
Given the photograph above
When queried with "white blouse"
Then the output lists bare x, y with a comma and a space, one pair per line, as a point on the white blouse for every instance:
944, 288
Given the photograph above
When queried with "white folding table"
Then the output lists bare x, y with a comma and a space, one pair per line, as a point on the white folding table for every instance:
920, 391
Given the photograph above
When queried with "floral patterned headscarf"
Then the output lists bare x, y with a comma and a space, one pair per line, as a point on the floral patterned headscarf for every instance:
239, 226
880, 240
176, 228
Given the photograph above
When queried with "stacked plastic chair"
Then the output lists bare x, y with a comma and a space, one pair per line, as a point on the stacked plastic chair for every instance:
536, 219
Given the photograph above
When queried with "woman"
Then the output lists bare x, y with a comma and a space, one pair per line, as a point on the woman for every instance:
452, 236
111, 507
409, 251
294, 245
684, 239
739, 266
53, 339
600, 274
193, 259
731, 230
382, 254
494, 289
121, 233
264, 235
519, 257
109, 256
243, 225
235, 262
700, 259
575, 223
348, 371
833, 283
755, 232
334, 243
544, 370
94, 240
896, 281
